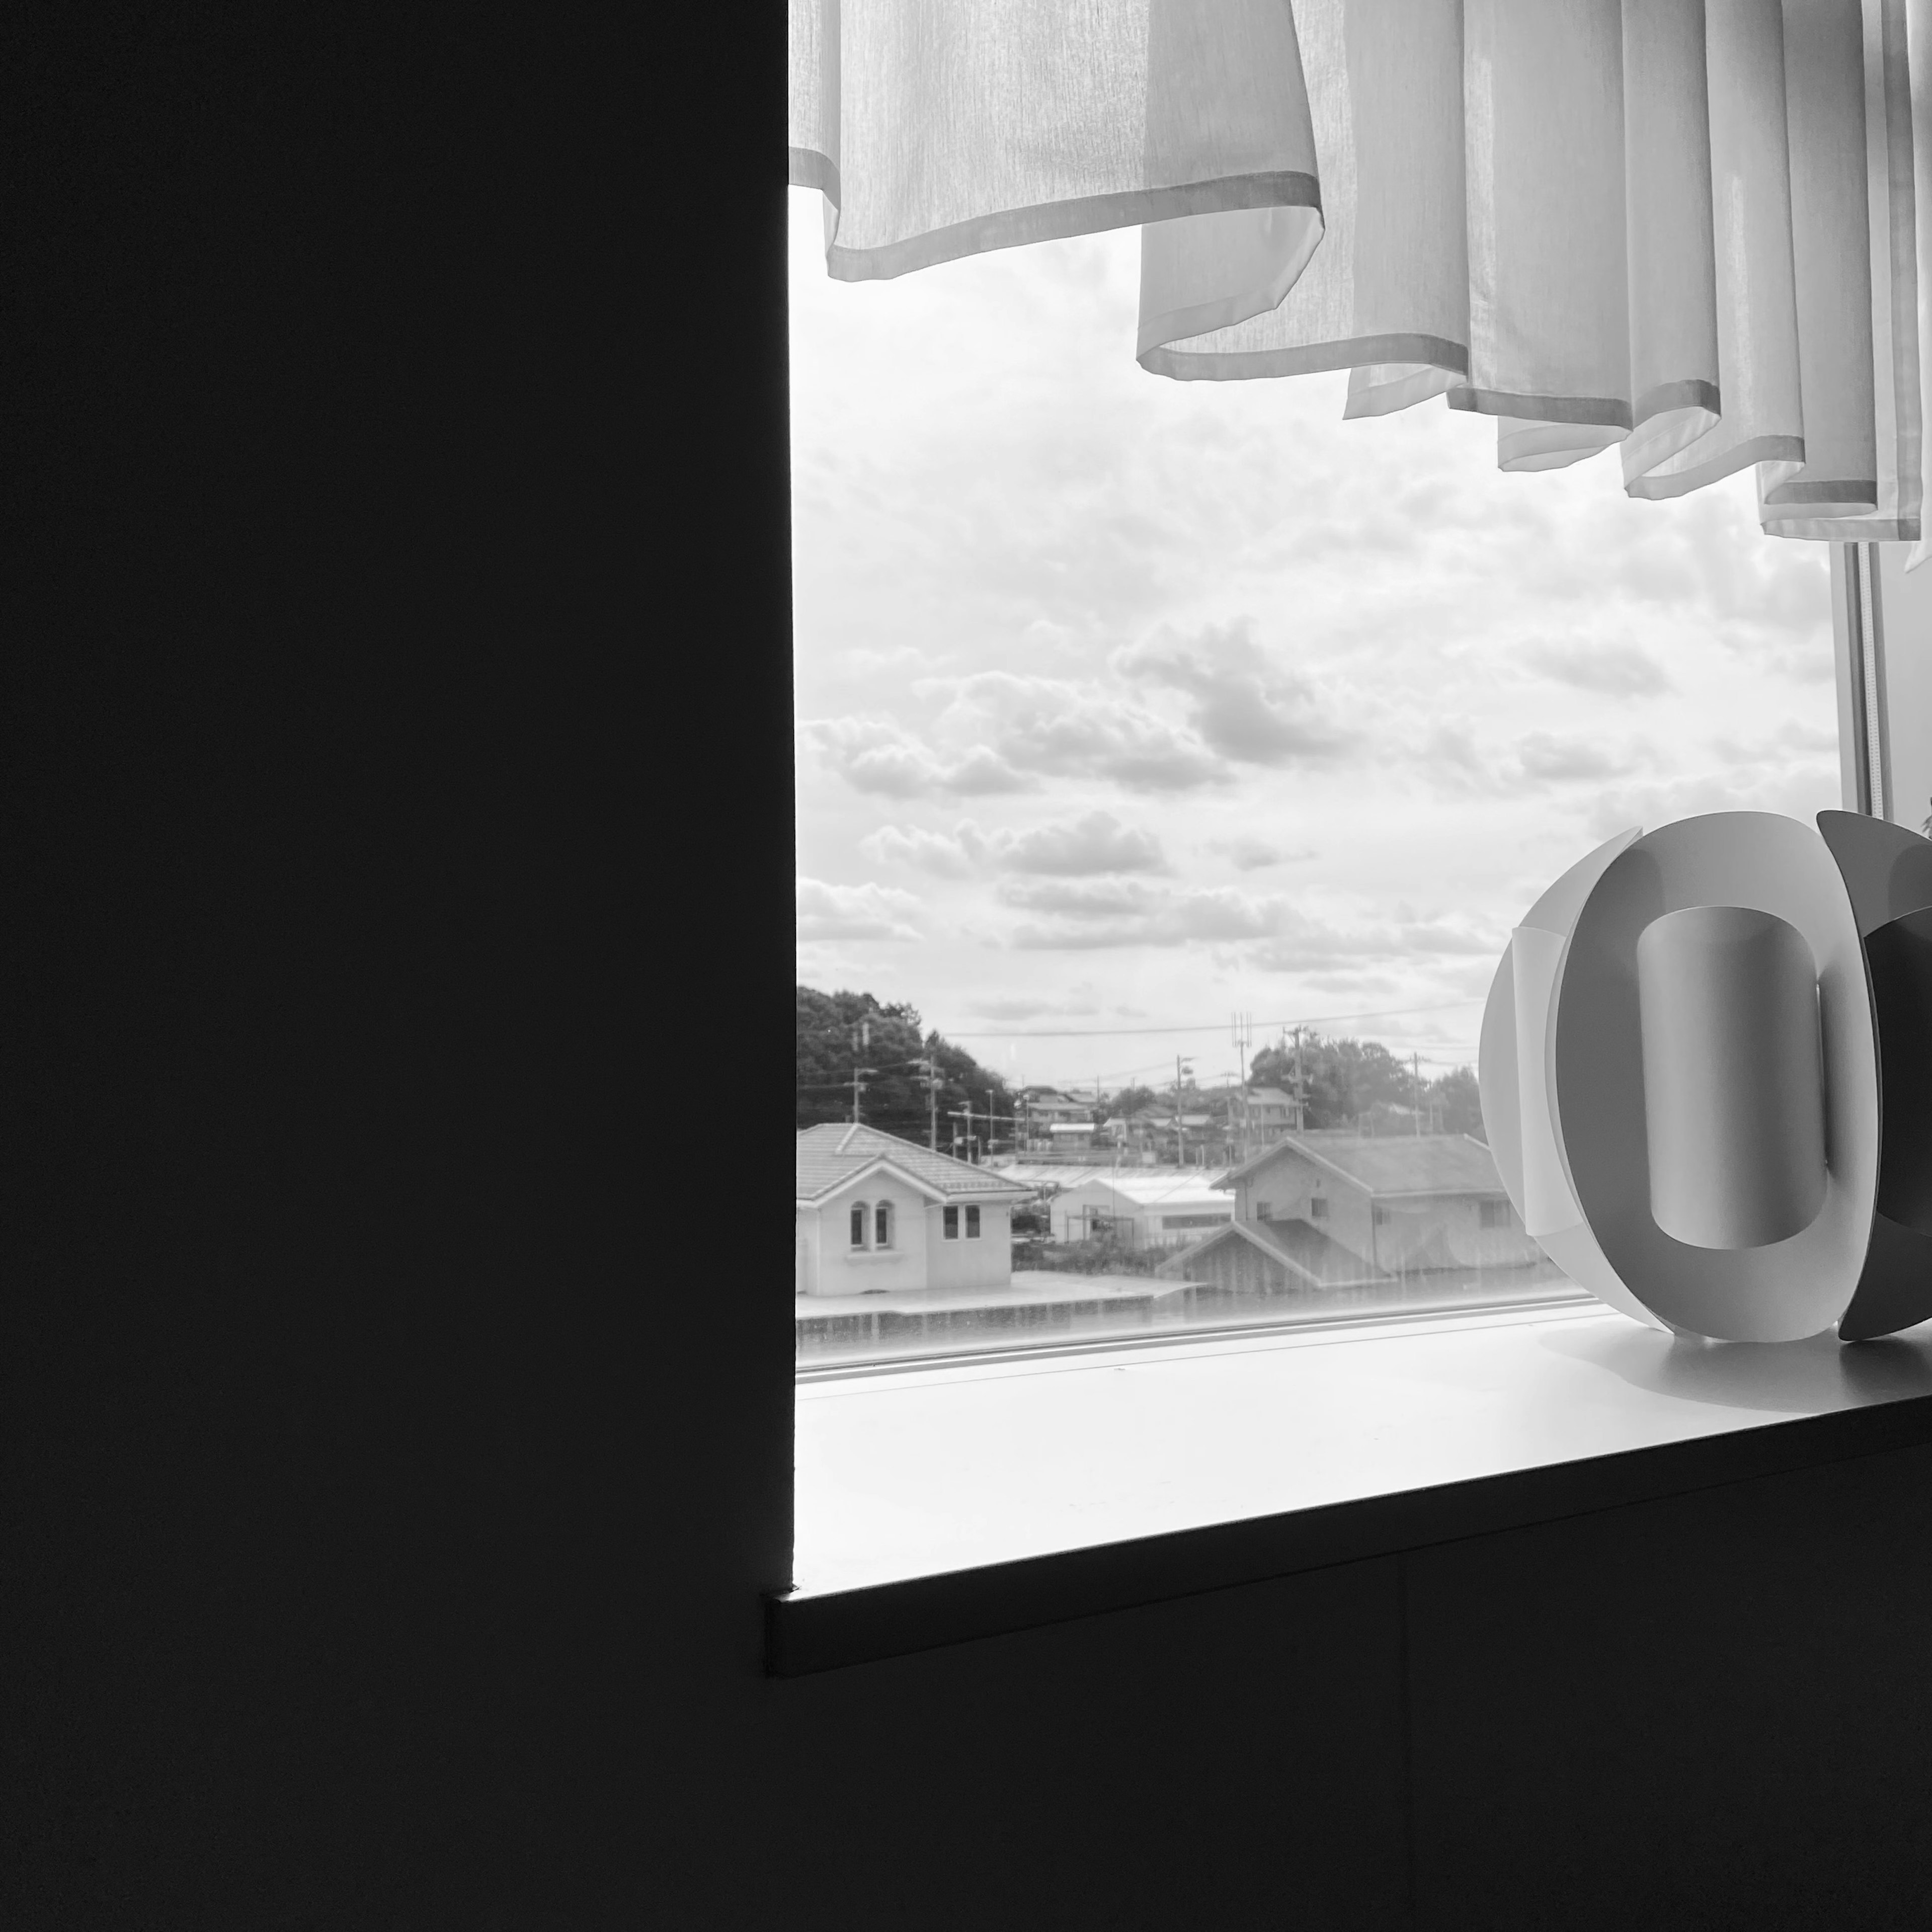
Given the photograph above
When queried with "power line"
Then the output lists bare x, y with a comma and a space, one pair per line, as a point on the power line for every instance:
1261, 1026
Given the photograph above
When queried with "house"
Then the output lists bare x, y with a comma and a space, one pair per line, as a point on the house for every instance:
1269, 1112
1045, 1107
1051, 1118
1141, 1210
1150, 1131
873, 1213
1331, 1208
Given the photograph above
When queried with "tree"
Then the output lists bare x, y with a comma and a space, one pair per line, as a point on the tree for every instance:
1128, 1102
1457, 1102
894, 1096
1344, 1079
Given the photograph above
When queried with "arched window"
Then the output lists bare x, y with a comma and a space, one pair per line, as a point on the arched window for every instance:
858, 1224
882, 1224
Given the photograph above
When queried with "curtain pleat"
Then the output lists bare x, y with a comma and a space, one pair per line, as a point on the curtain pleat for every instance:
1691, 230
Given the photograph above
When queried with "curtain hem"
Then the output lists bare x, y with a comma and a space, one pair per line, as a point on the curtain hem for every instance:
1058, 221
1247, 365
1600, 412
810, 169
1757, 449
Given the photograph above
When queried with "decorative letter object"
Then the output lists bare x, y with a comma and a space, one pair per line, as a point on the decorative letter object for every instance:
1682, 1061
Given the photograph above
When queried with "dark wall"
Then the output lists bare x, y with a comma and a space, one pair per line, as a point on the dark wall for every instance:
396, 770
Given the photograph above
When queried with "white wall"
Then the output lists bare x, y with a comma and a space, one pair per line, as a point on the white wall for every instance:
987, 1262
838, 1268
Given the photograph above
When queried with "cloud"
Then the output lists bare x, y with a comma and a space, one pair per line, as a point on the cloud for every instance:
1069, 848
1796, 791
1245, 707
1617, 670
878, 754
1543, 755
1077, 848
1304, 943
949, 855
1118, 913
1082, 898
854, 912
1254, 855
1047, 727
1081, 1002
1791, 739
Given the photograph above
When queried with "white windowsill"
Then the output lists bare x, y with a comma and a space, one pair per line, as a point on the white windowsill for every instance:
950, 1468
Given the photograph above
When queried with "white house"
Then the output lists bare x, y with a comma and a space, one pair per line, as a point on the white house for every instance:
873, 1212
1050, 1117
1331, 1208
1141, 1210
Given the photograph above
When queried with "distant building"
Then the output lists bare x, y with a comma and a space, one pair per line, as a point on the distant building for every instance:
1270, 1112
1048, 1107
872, 1212
1153, 1133
1140, 1210
1328, 1208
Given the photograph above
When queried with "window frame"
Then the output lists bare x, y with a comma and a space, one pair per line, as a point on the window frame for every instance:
814, 1635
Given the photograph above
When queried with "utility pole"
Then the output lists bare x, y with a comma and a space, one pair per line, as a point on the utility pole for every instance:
862, 1041
1300, 1125
1181, 1067
1243, 1030
929, 1066
1415, 1063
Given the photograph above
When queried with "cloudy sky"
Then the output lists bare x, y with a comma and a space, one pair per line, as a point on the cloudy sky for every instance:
1124, 703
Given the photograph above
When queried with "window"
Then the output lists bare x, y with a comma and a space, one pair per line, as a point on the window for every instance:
1379, 1216
1134, 761
882, 1224
1495, 1214
859, 1224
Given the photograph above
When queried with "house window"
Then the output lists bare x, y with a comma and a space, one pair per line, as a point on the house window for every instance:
1263, 1209
972, 1224
1317, 1208
950, 1216
859, 1224
1494, 1213
882, 1224
1382, 1216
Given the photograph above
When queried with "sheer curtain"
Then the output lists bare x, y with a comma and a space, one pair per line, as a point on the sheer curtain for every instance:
1690, 231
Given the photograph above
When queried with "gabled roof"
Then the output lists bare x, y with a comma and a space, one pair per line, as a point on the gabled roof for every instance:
1310, 1257
1389, 1164
836, 1152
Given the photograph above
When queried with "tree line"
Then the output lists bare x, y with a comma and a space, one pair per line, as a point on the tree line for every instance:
1346, 1083
893, 1095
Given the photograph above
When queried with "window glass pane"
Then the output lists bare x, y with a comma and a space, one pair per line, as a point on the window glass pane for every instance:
1128, 707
